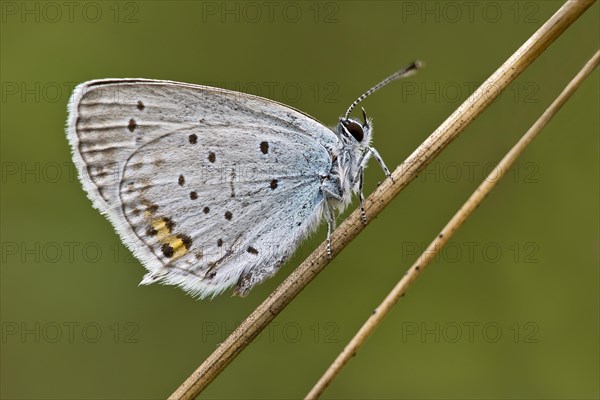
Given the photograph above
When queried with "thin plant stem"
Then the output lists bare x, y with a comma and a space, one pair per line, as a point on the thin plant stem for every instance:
374, 321
380, 198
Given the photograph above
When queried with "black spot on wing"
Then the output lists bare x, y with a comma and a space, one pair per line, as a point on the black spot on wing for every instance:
264, 147
186, 240
131, 125
193, 138
169, 224
212, 157
151, 208
167, 250
140, 105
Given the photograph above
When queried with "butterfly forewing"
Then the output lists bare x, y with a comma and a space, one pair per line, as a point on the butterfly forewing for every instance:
206, 186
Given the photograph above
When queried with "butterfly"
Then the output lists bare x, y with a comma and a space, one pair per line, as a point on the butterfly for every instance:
211, 188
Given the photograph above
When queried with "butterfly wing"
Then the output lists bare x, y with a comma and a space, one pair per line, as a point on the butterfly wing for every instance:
208, 187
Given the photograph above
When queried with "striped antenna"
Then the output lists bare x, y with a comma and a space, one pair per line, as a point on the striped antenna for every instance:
404, 72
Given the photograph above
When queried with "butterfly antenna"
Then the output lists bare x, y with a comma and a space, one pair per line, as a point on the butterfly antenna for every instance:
404, 72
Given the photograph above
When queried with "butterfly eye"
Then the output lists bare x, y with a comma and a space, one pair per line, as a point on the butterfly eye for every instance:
355, 129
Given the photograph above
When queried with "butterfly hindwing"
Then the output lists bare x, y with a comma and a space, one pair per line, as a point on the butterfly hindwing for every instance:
206, 186
220, 204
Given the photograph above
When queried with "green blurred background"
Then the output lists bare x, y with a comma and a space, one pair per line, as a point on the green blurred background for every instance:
510, 308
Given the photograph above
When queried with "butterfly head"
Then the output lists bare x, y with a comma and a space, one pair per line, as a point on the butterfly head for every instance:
355, 132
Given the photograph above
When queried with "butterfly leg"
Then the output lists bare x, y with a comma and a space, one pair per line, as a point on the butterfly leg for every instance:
361, 178
386, 171
331, 191
330, 227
